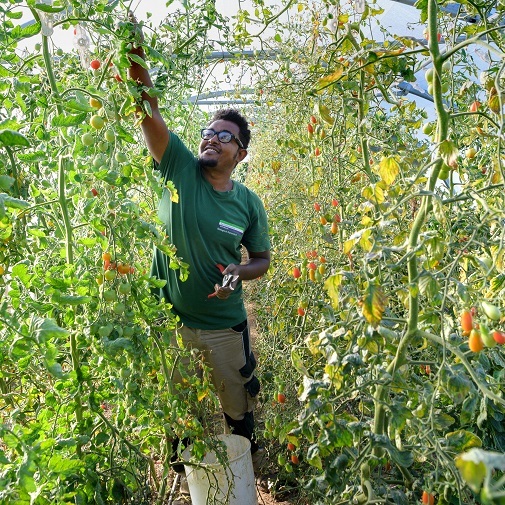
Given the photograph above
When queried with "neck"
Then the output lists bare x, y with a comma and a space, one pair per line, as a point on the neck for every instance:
219, 181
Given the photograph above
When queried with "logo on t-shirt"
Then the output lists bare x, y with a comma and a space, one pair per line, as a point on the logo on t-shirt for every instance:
230, 228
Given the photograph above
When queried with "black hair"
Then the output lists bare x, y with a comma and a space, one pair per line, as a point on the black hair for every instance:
234, 116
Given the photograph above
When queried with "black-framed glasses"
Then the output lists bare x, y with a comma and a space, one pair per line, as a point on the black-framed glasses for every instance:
224, 136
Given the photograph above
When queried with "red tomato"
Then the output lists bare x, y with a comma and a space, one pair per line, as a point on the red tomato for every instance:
317, 151
296, 273
499, 337
301, 311
334, 202
94, 192
95, 64
312, 266
317, 207
291, 446
281, 397
313, 119
294, 459
310, 129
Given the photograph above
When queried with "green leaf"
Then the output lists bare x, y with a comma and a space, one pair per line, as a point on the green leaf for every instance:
374, 304
401, 458
475, 464
63, 465
298, 363
20, 270
14, 15
313, 457
139, 60
27, 31
462, 440
62, 299
6, 182
13, 138
49, 8
68, 120
46, 329
78, 105
468, 409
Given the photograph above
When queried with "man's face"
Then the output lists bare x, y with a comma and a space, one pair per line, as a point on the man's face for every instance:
213, 153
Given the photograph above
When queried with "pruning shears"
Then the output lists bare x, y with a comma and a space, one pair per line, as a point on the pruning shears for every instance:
228, 280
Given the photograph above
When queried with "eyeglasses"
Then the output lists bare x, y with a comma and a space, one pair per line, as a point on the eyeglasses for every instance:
224, 136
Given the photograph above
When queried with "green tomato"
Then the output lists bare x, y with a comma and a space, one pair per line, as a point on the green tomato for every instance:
110, 275
87, 139
125, 288
125, 373
121, 157
98, 162
59, 51
281, 460
429, 74
105, 331
110, 295
128, 331
132, 386
492, 311
110, 136
119, 308
102, 146
97, 122
487, 336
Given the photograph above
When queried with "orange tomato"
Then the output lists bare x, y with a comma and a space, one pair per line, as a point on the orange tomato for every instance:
294, 459
106, 256
466, 321
474, 107
281, 397
123, 268
475, 341
428, 498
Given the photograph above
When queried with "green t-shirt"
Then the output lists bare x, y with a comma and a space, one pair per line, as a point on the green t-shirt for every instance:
207, 227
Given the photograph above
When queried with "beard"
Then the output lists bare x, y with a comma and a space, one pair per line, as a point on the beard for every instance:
206, 163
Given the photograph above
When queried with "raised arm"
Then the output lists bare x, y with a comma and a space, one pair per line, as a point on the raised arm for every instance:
154, 128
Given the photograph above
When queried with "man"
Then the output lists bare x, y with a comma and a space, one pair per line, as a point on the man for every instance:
214, 218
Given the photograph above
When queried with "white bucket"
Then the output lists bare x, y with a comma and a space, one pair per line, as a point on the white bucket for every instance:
212, 483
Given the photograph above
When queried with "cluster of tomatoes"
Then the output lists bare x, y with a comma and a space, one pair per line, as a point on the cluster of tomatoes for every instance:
325, 218
113, 266
314, 129
479, 334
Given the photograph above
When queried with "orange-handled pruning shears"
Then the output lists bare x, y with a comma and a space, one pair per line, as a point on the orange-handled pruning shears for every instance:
227, 280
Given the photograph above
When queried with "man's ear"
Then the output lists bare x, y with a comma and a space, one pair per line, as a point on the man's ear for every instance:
241, 155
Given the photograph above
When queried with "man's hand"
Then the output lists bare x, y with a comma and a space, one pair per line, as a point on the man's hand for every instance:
231, 278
